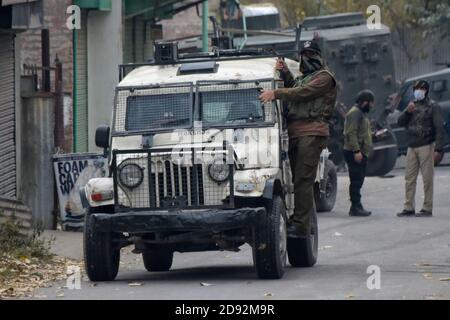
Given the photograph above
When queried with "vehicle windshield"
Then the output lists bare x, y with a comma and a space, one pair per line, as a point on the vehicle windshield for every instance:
158, 111
233, 107
172, 107
154, 108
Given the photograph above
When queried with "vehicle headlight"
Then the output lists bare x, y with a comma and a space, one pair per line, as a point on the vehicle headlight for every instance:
219, 170
131, 175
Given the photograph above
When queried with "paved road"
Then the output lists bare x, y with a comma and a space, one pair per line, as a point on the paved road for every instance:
413, 255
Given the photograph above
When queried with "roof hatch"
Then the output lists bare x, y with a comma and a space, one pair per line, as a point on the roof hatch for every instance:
198, 67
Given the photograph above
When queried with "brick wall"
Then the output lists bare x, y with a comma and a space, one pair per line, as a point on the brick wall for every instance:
187, 23
60, 39
60, 44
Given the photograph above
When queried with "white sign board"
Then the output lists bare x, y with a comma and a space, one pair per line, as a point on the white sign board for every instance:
73, 172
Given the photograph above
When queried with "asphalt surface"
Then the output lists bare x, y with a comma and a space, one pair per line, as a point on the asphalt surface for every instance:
413, 255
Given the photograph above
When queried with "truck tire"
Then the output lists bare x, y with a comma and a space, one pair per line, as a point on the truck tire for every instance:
101, 259
270, 241
158, 260
303, 253
325, 201
381, 162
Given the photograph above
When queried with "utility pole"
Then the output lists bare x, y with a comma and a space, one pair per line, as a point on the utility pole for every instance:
205, 16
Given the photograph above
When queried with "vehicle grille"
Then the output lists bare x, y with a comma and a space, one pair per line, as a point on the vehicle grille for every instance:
169, 184
174, 181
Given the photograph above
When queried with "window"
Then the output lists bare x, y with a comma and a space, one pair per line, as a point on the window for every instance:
233, 107
160, 111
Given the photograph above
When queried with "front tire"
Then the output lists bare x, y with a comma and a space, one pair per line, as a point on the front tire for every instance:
158, 260
101, 258
270, 243
325, 201
303, 252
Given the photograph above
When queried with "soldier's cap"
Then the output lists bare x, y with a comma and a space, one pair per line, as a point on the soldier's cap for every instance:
311, 46
365, 95
422, 84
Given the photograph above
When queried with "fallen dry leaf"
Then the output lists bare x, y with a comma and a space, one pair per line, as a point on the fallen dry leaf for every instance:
135, 284
20, 277
428, 276
204, 284
268, 294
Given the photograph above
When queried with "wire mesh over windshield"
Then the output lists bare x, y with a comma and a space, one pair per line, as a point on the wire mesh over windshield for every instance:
148, 109
234, 103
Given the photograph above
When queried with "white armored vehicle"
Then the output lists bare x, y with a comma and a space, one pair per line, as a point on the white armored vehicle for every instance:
198, 163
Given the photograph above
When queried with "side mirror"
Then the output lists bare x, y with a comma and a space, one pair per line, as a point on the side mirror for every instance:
102, 137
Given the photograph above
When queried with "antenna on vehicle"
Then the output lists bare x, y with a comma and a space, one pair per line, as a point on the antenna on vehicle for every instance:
298, 36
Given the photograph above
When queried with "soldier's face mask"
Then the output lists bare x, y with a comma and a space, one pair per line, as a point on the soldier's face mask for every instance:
419, 94
366, 106
310, 62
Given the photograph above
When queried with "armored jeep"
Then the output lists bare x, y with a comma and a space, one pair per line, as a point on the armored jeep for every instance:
198, 163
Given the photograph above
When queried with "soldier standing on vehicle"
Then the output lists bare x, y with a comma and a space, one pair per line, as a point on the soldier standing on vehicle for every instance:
357, 147
425, 128
311, 99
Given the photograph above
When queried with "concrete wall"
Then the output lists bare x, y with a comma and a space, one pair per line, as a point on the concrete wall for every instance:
104, 56
37, 139
15, 211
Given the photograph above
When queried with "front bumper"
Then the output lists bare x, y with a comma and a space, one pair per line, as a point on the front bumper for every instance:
179, 221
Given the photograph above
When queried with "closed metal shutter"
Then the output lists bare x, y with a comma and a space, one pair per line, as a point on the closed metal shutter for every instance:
139, 39
134, 40
128, 41
82, 87
8, 184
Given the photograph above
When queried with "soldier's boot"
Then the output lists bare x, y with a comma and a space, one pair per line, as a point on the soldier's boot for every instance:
294, 231
406, 213
357, 210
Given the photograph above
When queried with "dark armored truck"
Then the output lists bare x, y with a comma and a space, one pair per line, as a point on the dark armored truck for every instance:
361, 58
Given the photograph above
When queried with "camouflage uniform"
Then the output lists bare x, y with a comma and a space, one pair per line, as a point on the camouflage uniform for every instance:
357, 138
311, 100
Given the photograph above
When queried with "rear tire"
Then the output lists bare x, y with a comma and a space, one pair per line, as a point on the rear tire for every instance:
325, 202
158, 260
101, 259
270, 243
303, 253
381, 162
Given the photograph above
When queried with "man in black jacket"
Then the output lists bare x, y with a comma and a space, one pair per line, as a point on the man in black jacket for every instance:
425, 128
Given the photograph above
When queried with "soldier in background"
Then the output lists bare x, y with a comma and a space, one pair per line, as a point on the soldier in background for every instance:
311, 99
425, 128
357, 147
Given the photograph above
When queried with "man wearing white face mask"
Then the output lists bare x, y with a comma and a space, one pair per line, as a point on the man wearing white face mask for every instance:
425, 128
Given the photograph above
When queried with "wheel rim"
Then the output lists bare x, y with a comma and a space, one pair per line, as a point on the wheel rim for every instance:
283, 240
